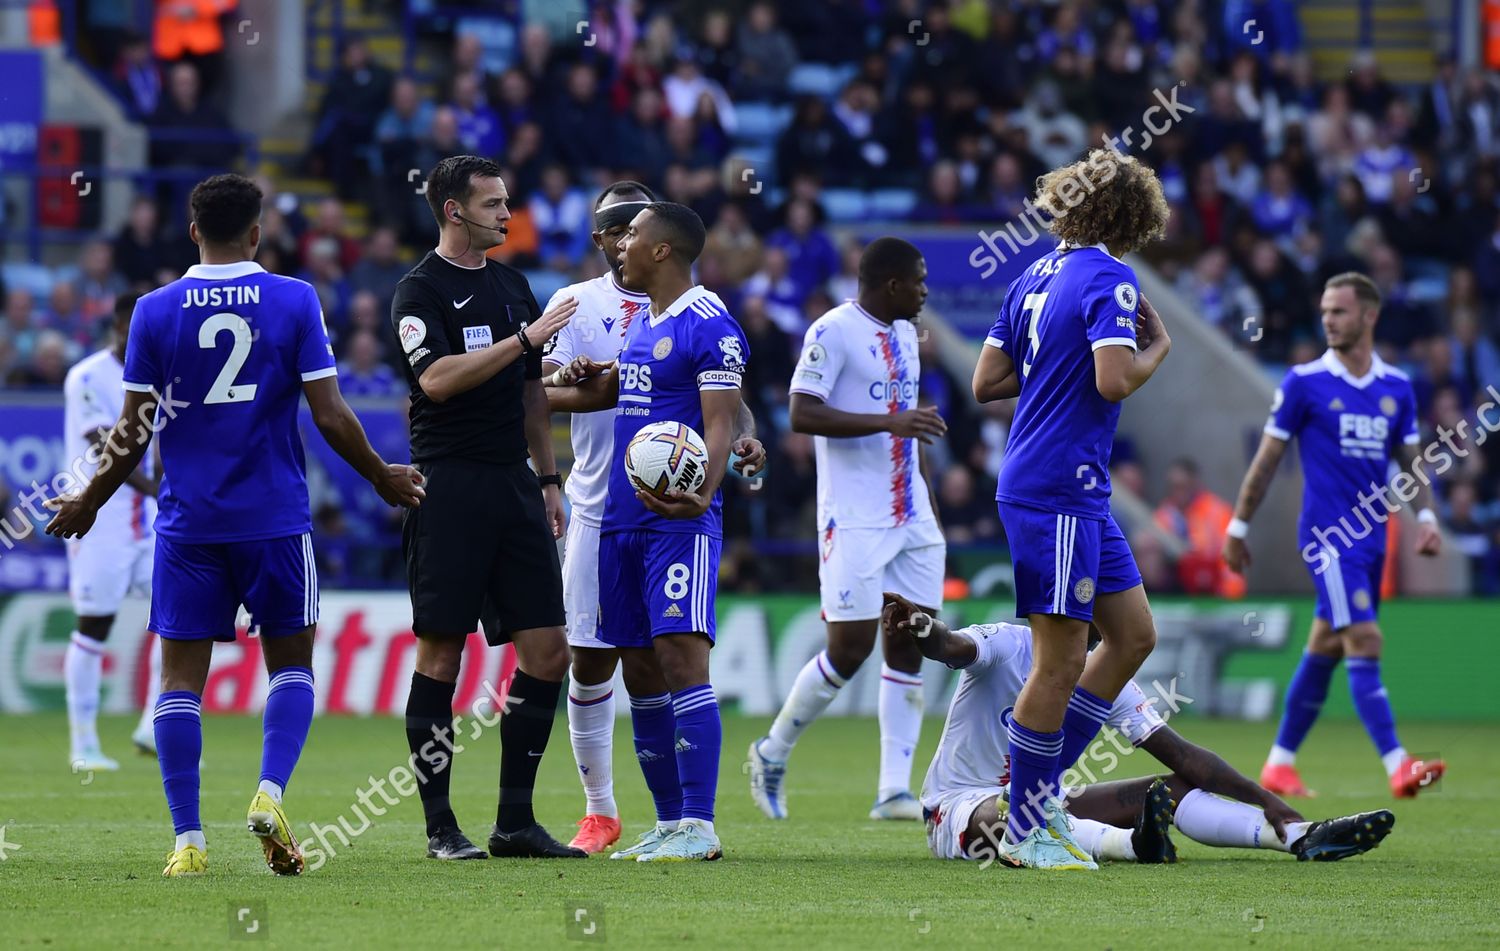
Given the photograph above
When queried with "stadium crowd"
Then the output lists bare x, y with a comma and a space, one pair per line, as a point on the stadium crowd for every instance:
1276, 180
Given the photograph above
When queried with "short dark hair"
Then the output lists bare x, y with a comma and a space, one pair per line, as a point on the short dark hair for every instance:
625, 187
225, 207
888, 259
682, 228
125, 304
453, 177
1364, 288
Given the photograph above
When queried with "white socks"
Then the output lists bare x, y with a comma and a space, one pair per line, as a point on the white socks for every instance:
1204, 817
83, 666
816, 686
1281, 756
192, 837
271, 789
591, 727
153, 685
706, 826
1392, 761
1103, 842
900, 728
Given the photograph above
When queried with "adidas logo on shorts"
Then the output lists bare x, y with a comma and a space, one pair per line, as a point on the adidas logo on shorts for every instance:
672, 611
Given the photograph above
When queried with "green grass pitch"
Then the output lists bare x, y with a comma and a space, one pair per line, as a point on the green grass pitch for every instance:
87, 872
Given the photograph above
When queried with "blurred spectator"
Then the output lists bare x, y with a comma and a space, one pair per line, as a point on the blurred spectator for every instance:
190, 31
1285, 300
576, 122
140, 250
945, 202
814, 141
735, 246
780, 295
1057, 136
792, 488
686, 85
1380, 162
187, 132
1214, 290
1279, 212
65, 315
811, 255
137, 79
98, 283
478, 126
564, 220
380, 269
323, 270
345, 130
401, 128
766, 55
641, 137
363, 374
48, 364
20, 324
1199, 519
328, 225
1473, 534
967, 517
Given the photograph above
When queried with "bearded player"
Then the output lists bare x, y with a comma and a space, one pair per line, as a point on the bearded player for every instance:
684, 361
1352, 414
113, 560
1074, 339
855, 390
586, 347
965, 796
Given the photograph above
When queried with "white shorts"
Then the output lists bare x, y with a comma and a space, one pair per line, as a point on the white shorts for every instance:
948, 821
859, 564
103, 569
580, 571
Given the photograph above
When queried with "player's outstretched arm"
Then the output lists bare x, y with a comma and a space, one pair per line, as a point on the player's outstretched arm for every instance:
570, 386
812, 416
1120, 371
455, 373
137, 479
119, 455
1252, 492
995, 376
396, 484
1207, 770
938, 643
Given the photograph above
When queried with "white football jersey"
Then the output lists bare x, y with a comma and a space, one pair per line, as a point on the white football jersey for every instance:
597, 331
973, 751
855, 363
93, 396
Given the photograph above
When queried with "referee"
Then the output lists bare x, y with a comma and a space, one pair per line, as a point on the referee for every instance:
483, 543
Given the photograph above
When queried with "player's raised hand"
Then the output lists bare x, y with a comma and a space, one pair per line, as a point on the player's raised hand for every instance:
1429, 539
73, 518
896, 612
1236, 554
750, 456
401, 485
676, 504
924, 423
551, 321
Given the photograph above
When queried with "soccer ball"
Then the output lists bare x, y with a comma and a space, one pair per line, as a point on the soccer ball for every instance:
666, 455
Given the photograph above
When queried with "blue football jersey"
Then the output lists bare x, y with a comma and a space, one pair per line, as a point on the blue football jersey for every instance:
667, 360
1347, 429
1068, 304
228, 347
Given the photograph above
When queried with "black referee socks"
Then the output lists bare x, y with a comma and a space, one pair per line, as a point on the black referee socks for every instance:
429, 736
529, 711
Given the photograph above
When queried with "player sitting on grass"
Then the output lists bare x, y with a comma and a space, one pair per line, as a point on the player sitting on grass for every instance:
963, 797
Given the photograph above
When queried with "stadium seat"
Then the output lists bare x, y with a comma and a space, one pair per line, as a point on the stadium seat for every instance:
498, 38
892, 202
545, 283
818, 79
760, 123
845, 204
36, 278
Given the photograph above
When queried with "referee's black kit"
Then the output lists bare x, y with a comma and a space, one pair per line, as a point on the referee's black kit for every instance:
479, 544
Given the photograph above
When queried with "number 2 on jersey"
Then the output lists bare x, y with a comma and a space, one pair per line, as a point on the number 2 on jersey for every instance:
1031, 306
224, 390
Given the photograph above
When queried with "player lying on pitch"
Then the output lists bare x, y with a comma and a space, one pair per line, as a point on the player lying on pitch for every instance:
968, 781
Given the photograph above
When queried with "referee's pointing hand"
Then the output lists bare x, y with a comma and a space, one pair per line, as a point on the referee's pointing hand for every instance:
551, 321
401, 485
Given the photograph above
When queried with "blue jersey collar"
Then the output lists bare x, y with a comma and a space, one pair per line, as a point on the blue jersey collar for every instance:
689, 297
224, 272
1337, 368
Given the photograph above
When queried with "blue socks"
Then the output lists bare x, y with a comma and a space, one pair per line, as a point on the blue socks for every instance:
1372, 702
1086, 714
179, 746
1304, 699
655, 734
699, 737
289, 713
1033, 764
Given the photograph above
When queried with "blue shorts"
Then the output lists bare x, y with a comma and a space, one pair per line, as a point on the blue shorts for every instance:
197, 589
1062, 562
1348, 586
654, 583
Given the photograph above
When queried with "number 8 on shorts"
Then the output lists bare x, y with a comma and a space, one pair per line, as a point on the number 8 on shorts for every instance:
653, 583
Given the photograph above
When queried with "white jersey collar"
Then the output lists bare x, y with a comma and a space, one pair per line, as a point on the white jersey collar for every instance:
1336, 366
224, 272
1065, 246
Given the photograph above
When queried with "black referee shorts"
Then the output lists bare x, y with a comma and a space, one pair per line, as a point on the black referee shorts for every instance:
479, 548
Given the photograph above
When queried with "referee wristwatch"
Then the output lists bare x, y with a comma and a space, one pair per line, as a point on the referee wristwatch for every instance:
552, 478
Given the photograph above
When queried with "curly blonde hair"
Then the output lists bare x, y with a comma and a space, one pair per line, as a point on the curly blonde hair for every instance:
1106, 198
